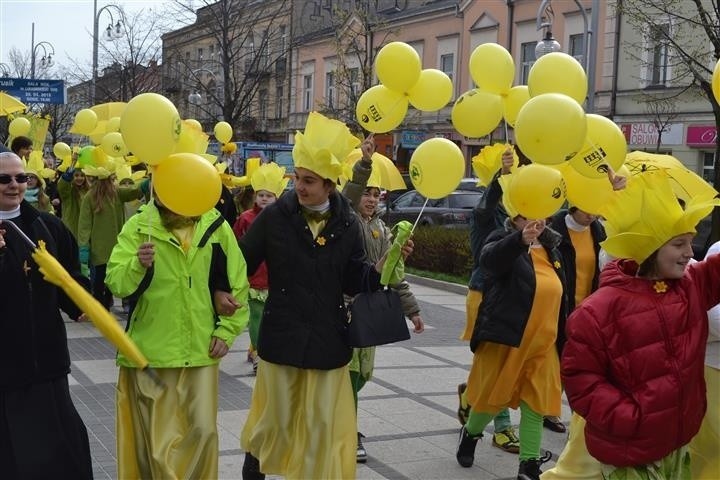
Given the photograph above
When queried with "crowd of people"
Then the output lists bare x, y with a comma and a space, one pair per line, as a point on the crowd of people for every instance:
632, 341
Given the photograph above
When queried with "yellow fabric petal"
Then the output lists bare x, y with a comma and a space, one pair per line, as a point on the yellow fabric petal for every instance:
269, 177
322, 144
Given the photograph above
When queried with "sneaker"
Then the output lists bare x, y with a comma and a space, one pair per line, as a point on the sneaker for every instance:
463, 411
361, 452
507, 440
530, 469
465, 454
554, 424
255, 362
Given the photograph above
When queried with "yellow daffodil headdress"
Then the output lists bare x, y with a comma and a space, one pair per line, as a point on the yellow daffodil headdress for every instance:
507, 204
323, 146
646, 215
124, 172
486, 163
269, 177
36, 166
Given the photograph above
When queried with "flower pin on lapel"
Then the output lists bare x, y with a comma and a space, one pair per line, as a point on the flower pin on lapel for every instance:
660, 287
556, 264
375, 234
320, 240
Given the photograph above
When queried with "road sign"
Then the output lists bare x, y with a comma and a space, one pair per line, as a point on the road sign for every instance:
35, 90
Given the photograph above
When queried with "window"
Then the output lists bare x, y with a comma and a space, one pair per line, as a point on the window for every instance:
262, 103
264, 50
708, 172
199, 54
279, 95
330, 90
447, 64
282, 31
354, 82
307, 93
527, 55
577, 48
658, 54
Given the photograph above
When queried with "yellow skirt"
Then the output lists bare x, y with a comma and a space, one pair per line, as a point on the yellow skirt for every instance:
168, 433
575, 462
705, 447
472, 305
302, 423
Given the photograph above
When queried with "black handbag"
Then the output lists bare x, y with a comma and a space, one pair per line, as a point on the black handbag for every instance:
376, 318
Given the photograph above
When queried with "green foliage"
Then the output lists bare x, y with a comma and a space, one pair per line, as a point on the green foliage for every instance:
442, 250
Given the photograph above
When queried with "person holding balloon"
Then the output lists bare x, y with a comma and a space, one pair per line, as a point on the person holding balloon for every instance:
41, 433
165, 262
486, 217
101, 217
268, 183
363, 191
515, 361
301, 422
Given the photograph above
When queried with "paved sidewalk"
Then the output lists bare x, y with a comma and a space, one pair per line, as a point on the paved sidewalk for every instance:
407, 412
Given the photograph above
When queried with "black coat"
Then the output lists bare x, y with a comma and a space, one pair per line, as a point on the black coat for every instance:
33, 341
567, 251
305, 320
510, 288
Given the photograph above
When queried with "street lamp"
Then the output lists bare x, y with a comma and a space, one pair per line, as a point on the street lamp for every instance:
195, 97
113, 31
548, 44
48, 52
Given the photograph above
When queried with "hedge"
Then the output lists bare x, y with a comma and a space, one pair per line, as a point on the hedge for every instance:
444, 250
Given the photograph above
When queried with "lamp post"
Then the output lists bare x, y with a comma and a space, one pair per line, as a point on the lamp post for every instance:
48, 52
112, 32
548, 44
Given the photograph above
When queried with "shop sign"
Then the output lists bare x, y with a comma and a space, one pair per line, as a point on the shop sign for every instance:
702, 136
647, 134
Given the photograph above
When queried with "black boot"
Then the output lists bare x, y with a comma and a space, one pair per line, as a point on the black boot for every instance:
361, 452
530, 469
251, 468
466, 448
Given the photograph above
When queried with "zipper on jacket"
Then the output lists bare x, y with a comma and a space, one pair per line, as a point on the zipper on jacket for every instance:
673, 359
189, 282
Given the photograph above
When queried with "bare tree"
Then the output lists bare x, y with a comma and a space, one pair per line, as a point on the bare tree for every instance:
662, 111
246, 54
685, 39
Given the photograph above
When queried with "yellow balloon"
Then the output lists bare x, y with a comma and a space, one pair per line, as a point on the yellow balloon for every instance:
61, 150
716, 82
604, 146
223, 132
513, 102
432, 91
100, 158
380, 109
113, 144
85, 122
194, 123
589, 194
436, 167
492, 68
558, 72
537, 191
476, 113
181, 173
191, 139
550, 128
19, 127
150, 126
398, 66
113, 124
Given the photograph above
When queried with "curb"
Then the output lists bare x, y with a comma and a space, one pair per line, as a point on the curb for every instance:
439, 284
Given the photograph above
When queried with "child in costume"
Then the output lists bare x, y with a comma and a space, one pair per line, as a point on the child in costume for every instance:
302, 423
633, 364
268, 183
363, 191
515, 361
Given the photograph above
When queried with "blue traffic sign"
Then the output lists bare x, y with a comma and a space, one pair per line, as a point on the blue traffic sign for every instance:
35, 90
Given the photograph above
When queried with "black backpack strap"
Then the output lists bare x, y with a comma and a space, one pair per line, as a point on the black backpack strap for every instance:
211, 229
133, 298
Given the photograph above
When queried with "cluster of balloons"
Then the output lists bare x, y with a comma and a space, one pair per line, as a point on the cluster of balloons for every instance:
150, 127
403, 82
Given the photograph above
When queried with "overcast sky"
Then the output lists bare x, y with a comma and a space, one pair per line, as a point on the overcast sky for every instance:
66, 24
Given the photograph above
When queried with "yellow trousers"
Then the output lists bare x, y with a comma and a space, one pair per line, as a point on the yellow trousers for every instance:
705, 447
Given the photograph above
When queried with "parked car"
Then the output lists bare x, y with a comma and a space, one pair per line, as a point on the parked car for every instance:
452, 211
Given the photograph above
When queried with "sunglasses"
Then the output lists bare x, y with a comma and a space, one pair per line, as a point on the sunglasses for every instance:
19, 178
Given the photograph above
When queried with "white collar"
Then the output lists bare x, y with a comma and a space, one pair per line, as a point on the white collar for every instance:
573, 225
8, 214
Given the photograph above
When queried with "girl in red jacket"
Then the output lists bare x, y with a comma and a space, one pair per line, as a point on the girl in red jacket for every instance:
634, 358
268, 182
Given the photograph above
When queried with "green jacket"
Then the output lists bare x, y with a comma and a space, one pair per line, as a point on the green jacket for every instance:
70, 198
99, 230
174, 318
